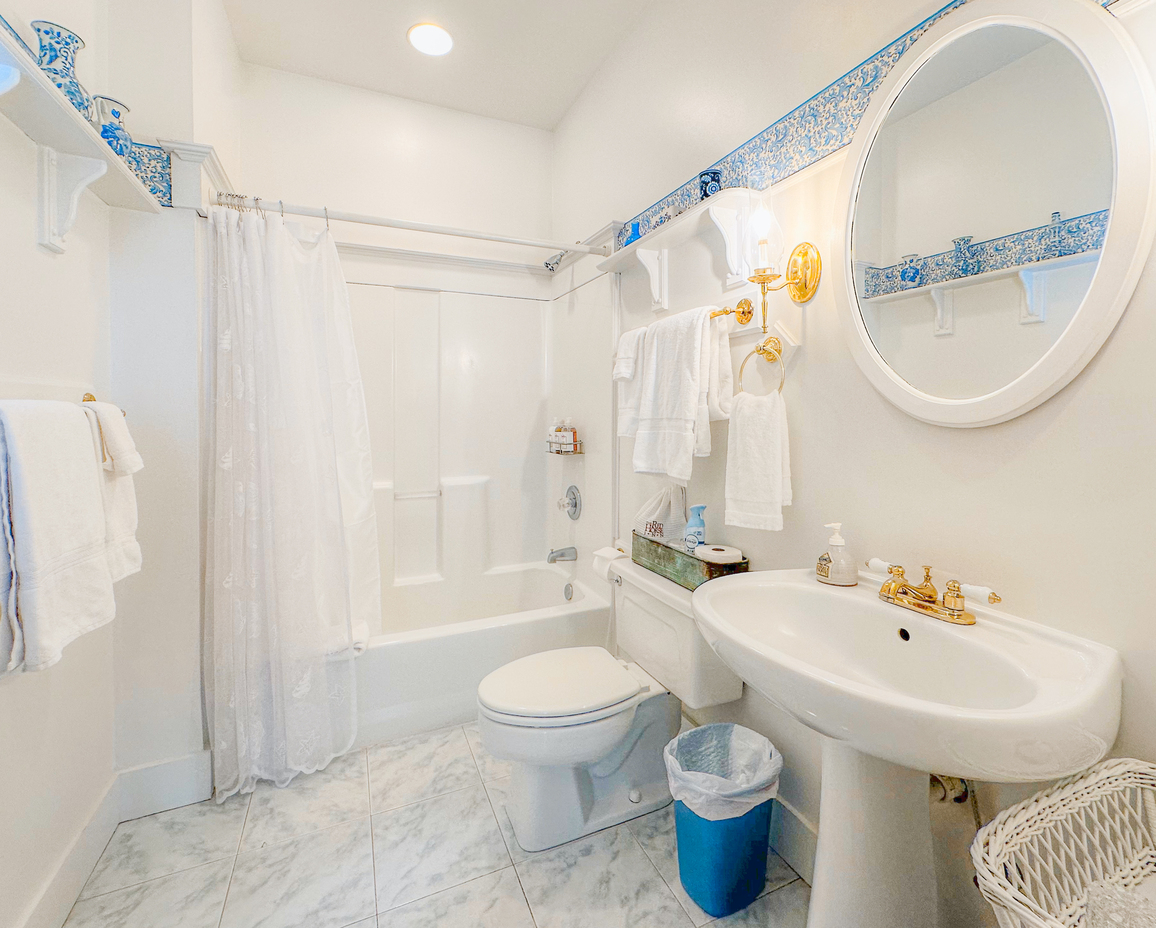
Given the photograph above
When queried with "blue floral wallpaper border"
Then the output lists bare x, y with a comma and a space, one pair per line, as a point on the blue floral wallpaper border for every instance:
812, 131
1060, 238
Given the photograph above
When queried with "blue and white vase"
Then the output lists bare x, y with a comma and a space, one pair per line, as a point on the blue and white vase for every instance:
58, 48
109, 121
965, 262
910, 272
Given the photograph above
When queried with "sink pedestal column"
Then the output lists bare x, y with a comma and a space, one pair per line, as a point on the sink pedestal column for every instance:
874, 865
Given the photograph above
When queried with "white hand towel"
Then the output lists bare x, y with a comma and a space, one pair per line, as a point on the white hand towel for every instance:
118, 496
758, 482
702, 415
722, 375
50, 497
626, 366
671, 395
118, 450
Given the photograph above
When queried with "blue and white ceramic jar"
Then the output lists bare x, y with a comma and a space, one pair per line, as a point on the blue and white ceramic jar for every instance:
58, 48
964, 259
109, 119
910, 272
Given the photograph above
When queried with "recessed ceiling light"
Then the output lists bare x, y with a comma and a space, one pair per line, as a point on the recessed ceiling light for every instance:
430, 39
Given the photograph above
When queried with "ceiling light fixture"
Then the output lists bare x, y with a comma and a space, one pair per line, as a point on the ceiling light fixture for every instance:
430, 39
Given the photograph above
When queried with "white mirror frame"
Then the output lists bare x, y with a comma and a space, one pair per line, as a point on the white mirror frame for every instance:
1118, 70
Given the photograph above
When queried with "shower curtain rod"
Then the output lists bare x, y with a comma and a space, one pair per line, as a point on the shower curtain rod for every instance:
337, 215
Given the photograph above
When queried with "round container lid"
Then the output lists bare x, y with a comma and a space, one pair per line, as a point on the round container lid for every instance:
568, 681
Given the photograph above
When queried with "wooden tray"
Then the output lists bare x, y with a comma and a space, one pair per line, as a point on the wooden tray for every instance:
684, 569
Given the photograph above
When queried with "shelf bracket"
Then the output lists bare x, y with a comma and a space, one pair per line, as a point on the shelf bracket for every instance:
9, 78
730, 226
63, 178
656, 263
1034, 308
944, 322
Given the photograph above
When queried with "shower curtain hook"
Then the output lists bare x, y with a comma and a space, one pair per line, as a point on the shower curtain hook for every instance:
282, 202
326, 208
257, 207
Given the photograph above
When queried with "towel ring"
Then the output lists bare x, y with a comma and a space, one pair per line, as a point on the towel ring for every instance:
772, 350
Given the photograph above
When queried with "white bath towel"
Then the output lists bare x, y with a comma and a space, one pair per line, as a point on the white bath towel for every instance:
51, 501
673, 395
118, 450
118, 494
758, 482
627, 362
721, 393
702, 415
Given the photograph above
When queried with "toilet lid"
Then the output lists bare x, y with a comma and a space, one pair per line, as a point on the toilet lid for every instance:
558, 683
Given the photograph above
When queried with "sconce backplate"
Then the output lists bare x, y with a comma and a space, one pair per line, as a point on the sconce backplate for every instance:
804, 268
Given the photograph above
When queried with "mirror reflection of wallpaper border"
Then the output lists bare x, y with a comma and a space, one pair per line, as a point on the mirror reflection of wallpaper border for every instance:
808, 134
1060, 238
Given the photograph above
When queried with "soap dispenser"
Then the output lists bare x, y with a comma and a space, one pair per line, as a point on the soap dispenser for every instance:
695, 529
836, 566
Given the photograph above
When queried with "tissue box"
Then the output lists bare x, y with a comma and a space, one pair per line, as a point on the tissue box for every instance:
675, 564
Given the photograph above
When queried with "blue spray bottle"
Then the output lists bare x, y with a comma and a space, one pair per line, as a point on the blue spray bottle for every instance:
695, 529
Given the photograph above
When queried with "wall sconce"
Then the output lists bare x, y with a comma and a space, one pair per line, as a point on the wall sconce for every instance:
764, 246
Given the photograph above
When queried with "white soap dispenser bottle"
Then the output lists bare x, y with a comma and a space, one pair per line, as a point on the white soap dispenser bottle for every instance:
836, 566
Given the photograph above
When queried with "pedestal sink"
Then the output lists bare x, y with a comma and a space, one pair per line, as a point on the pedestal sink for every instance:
897, 695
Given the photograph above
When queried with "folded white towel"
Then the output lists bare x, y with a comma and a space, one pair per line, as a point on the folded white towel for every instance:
626, 364
118, 495
758, 482
702, 415
50, 497
672, 395
721, 393
118, 450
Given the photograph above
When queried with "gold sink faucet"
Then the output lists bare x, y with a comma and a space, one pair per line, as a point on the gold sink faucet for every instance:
925, 598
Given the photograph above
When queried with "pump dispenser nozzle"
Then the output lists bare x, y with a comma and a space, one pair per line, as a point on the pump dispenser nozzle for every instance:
835, 539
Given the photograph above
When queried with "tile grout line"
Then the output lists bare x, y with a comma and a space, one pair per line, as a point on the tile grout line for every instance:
654, 867
236, 854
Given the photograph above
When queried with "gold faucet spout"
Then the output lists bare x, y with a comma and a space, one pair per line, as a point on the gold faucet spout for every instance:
925, 598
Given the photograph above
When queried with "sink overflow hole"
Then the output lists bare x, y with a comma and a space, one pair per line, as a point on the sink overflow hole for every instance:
904, 634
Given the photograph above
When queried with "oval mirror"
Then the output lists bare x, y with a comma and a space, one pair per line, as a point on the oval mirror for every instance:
984, 258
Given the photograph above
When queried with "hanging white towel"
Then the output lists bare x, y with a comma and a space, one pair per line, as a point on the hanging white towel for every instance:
118, 450
758, 482
702, 415
673, 395
720, 396
60, 585
118, 494
626, 365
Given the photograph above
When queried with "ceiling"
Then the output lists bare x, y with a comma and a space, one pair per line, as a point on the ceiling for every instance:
524, 61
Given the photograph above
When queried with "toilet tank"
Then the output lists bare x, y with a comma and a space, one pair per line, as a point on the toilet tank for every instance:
656, 628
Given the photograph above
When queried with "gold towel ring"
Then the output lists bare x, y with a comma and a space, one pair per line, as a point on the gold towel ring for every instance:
772, 350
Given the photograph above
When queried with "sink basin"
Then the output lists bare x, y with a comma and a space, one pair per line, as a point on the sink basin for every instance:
898, 695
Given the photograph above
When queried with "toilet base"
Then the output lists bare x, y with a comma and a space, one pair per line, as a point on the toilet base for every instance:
549, 806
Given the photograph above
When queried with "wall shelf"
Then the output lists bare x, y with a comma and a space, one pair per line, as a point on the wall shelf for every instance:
43, 113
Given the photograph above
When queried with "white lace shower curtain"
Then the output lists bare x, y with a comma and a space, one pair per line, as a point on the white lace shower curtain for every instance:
291, 566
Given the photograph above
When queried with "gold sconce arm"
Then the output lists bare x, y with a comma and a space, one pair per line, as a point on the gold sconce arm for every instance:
804, 270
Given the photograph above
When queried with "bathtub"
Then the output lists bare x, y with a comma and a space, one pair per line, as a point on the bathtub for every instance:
424, 678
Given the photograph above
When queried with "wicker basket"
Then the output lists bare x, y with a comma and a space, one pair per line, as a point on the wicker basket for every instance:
1036, 860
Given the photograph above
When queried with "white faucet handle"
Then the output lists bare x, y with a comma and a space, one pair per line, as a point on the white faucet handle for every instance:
879, 565
983, 593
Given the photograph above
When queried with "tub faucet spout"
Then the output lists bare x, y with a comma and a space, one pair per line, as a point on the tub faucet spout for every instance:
562, 554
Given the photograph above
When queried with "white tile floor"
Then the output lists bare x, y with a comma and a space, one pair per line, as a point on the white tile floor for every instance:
411, 834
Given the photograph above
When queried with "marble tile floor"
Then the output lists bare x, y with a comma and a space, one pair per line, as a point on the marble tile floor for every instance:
409, 834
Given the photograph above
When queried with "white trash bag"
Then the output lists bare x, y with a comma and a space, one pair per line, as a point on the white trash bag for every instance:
722, 771
663, 517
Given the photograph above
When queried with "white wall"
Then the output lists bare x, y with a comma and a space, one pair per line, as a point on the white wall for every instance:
1043, 508
56, 726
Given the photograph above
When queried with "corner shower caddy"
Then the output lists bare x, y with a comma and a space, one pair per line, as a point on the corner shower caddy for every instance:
72, 155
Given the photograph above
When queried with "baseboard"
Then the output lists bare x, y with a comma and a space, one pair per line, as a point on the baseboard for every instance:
132, 793
168, 785
794, 839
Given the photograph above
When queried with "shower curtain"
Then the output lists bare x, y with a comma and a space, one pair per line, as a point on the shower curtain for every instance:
291, 564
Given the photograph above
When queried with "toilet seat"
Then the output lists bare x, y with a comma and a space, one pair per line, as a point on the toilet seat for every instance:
563, 687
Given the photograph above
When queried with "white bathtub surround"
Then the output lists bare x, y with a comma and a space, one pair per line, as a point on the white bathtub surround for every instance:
291, 554
54, 572
758, 479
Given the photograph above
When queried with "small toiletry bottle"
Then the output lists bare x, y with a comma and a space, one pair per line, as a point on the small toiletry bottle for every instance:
569, 435
836, 566
695, 529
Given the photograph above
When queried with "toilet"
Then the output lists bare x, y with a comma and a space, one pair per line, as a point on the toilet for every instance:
584, 730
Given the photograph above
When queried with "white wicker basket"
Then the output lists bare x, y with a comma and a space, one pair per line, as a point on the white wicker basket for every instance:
1036, 860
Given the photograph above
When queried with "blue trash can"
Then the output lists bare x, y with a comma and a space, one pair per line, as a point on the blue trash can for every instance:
723, 778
